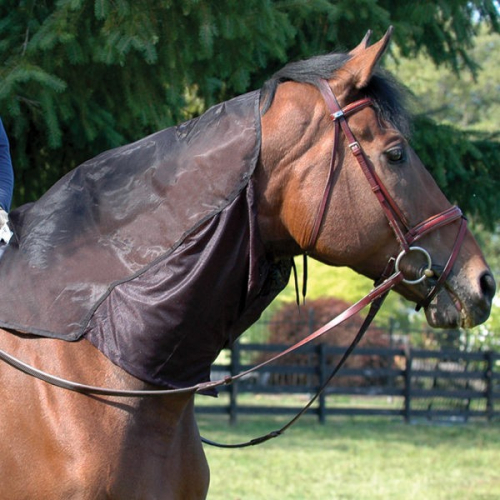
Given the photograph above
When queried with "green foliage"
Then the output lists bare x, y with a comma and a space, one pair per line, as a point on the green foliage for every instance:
467, 100
81, 76
443, 31
464, 165
455, 132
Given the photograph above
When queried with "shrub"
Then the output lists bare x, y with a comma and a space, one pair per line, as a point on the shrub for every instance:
289, 324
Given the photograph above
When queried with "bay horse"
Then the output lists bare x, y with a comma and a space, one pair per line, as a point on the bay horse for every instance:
60, 444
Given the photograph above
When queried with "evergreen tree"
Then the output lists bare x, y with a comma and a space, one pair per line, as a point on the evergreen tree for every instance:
81, 76
465, 105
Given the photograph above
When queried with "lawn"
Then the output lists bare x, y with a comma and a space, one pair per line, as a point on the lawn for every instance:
354, 458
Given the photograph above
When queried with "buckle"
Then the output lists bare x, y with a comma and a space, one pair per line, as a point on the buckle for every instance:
355, 147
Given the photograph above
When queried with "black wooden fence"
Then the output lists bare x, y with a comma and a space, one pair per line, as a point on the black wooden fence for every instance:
411, 383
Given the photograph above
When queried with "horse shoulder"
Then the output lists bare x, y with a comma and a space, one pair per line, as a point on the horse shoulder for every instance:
90, 446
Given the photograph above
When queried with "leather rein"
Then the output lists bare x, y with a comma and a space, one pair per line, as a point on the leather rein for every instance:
391, 277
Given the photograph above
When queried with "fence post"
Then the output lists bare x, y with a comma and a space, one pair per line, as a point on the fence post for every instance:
321, 350
312, 357
490, 401
233, 388
407, 387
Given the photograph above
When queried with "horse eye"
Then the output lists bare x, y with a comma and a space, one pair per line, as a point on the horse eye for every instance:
396, 155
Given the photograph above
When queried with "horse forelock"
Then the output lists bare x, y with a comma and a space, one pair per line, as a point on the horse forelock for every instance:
387, 93
390, 98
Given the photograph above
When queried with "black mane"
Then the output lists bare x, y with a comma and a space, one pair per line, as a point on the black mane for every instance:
388, 95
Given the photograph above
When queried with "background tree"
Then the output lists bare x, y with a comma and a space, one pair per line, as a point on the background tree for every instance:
81, 76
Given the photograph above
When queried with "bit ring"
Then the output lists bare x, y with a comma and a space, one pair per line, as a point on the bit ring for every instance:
425, 273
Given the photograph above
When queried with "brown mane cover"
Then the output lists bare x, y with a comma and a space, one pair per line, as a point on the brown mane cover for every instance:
150, 251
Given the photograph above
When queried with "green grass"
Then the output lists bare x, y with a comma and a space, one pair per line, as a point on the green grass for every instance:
354, 458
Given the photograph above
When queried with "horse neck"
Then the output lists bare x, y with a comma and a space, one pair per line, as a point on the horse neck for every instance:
296, 144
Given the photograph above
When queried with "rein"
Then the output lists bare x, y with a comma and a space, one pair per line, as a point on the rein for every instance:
392, 276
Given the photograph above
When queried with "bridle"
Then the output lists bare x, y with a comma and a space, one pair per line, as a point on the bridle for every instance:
405, 235
391, 277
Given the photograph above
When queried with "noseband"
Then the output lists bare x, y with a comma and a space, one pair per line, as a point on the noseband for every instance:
405, 235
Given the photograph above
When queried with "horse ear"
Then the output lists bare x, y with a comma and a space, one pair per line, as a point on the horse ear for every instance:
358, 70
363, 45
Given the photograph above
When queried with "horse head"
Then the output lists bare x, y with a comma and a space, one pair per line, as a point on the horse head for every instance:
355, 193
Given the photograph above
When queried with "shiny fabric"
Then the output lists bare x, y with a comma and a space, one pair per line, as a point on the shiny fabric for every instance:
150, 251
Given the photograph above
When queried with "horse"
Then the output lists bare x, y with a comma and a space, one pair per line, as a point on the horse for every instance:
335, 178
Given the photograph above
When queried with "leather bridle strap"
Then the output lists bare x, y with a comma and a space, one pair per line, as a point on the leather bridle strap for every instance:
446, 217
380, 291
447, 268
432, 223
320, 214
273, 434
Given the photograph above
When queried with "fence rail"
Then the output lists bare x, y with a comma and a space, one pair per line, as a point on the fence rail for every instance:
420, 384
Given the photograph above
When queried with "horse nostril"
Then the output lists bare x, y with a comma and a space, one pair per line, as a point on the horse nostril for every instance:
488, 285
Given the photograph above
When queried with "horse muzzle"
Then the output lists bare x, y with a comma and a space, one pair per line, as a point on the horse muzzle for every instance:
462, 302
